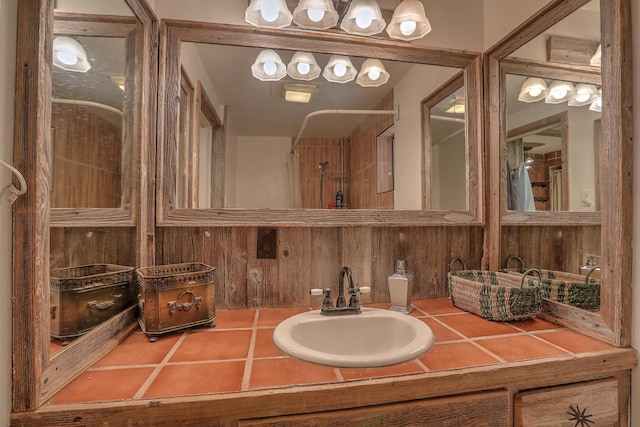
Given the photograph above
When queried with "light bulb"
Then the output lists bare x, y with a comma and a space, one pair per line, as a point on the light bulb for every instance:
408, 27
269, 68
269, 10
559, 93
315, 15
67, 58
535, 91
364, 18
582, 96
303, 68
374, 74
340, 70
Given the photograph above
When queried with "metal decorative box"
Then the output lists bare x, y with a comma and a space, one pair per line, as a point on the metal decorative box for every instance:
175, 296
83, 297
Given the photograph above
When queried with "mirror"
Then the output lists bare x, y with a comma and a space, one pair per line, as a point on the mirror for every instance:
294, 157
584, 219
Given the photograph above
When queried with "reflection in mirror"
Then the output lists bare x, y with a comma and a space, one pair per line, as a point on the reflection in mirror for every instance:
551, 153
384, 161
446, 132
260, 125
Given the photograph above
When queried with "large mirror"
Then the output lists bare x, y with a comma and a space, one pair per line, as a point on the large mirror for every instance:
560, 162
285, 159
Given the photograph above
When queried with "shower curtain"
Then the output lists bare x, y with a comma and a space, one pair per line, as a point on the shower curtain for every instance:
293, 165
556, 190
523, 190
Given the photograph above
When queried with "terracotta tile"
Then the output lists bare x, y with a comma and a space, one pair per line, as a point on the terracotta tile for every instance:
521, 347
473, 326
137, 350
535, 324
410, 367
442, 333
381, 305
455, 355
264, 346
215, 345
109, 384
574, 342
228, 319
288, 371
437, 306
271, 317
55, 346
197, 378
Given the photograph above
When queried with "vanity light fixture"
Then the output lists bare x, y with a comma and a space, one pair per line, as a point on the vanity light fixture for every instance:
315, 14
533, 89
339, 69
363, 18
268, 66
298, 92
584, 94
456, 106
409, 21
268, 13
559, 91
69, 55
372, 74
303, 66
597, 104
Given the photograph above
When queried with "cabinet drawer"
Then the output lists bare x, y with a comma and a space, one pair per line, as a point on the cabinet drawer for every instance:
480, 409
588, 403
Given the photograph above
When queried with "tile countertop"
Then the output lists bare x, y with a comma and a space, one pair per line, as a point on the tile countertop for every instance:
239, 355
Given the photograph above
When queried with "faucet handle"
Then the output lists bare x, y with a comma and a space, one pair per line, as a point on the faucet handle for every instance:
316, 292
364, 289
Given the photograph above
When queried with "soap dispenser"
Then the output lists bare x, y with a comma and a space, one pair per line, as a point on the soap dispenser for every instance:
400, 288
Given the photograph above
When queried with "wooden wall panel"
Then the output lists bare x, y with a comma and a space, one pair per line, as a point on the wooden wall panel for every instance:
87, 159
312, 152
80, 246
554, 248
312, 258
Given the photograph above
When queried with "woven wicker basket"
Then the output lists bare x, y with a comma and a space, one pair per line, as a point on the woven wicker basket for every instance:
575, 290
493, 295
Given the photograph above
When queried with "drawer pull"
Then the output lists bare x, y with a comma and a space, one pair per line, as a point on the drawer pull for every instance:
185, 306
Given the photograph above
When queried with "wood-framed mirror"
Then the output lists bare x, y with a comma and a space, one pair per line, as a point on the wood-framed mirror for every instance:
119, 39
558, 240
178, 37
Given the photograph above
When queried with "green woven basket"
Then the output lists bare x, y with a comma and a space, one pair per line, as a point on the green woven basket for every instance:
493, 295
575, 290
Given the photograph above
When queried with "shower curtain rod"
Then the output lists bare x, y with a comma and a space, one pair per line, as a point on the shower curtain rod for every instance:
395, 112
87, 104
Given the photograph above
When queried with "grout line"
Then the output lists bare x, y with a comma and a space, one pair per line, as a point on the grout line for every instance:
248, 364
422, 365
338, 374
145, 386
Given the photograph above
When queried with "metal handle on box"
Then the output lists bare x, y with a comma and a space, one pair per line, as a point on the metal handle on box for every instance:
185, 306
105, 305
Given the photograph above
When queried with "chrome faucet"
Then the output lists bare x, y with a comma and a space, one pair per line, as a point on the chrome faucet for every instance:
341, 306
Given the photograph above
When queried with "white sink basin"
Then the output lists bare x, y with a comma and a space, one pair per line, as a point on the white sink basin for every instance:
372, 338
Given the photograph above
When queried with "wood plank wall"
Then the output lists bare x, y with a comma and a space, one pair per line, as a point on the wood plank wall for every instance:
312, 257
312, 152
87, 158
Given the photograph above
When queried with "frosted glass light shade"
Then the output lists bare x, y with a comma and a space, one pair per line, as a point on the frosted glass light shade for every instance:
303, 66
268, 66
69, 55
533, 89
409, 21
268, 14
597, 104
315, 14
339, 69
559, 92
584, 94
363, 18
372, 74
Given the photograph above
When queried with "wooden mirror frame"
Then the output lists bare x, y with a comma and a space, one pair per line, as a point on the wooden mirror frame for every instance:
36, 377
611, 323
174, 32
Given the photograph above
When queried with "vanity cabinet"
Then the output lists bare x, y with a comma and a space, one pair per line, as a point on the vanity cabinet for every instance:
478, 409
588, 403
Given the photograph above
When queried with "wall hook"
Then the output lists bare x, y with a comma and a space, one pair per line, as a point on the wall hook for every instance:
15, 192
